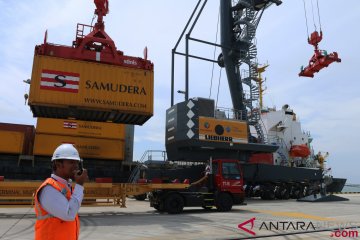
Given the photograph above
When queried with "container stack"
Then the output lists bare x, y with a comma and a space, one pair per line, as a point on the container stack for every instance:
93, 140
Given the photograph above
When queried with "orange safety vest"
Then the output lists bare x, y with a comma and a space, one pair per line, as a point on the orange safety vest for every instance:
48, 227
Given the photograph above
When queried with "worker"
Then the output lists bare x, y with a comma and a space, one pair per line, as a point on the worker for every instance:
56, 202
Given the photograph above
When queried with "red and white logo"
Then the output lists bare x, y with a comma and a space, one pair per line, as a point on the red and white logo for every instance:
60, 81
72, 125
242, 226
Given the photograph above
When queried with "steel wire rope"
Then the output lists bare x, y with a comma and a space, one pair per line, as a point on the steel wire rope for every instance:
92, 20
217, 96
307, 28
317, 2
313, 15
213, 66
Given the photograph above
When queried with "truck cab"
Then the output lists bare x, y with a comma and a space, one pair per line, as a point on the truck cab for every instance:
228, 178
222, 189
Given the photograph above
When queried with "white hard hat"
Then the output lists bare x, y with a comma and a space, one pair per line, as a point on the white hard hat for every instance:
66, 151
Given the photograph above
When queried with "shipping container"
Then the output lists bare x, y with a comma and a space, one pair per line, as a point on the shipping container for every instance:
83, 90
11, 142
16, 138
80, 128
45, 144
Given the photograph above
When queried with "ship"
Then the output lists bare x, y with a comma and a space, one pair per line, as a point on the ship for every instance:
282, 127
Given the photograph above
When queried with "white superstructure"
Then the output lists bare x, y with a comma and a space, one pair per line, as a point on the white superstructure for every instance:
281, 127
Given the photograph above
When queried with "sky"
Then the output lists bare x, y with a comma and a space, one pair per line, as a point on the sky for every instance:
327, 105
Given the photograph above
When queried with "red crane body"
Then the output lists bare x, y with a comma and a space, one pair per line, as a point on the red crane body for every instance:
102, 8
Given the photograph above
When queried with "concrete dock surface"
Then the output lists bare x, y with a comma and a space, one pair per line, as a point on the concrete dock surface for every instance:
276, 219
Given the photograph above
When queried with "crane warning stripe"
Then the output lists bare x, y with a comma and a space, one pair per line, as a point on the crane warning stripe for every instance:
59, 81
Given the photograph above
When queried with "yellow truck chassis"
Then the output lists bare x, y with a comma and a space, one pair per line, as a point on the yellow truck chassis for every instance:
112, 194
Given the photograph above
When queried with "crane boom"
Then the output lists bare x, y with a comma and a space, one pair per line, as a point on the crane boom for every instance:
230, 59
239, 22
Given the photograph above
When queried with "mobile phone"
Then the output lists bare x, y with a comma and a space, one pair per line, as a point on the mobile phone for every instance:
81, 167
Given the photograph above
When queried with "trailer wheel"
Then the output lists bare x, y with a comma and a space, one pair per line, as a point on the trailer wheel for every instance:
174, 203
285, 194
159, 207
268, 195
301, 193
224, 202
140, 197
